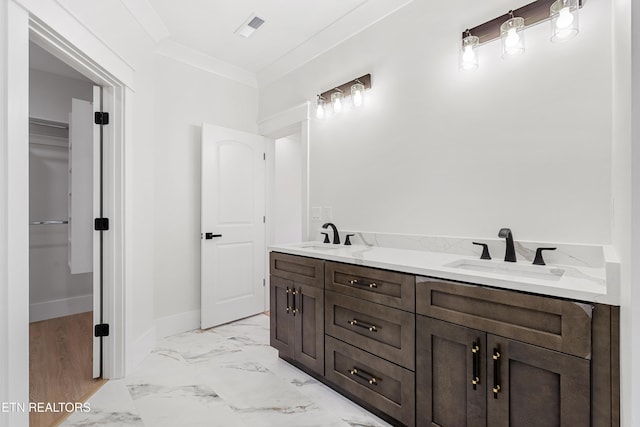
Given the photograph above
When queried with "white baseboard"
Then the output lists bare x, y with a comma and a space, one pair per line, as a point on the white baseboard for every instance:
140, 349
177, 323
60, 307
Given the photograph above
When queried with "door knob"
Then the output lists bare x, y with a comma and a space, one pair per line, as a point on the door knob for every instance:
210, 236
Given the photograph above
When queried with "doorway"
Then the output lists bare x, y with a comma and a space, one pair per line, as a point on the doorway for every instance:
287, 191
64, 264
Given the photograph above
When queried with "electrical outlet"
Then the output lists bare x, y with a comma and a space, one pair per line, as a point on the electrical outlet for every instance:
327, 213
316, 214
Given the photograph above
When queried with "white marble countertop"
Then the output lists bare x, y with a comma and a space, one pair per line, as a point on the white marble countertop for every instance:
575, 282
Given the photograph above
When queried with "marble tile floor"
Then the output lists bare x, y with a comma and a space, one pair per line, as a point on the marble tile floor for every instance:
224, 376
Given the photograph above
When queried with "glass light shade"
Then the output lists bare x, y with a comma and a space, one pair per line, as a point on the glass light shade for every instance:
320, 109
564, 20
336, 100
357, 94
468, 60
512, 37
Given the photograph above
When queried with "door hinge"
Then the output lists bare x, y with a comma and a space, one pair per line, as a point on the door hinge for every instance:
264, 282
264, 219
264, 156
101, 224
101, 330
101, 118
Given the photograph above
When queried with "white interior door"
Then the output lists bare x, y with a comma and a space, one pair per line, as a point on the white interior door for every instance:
233, 230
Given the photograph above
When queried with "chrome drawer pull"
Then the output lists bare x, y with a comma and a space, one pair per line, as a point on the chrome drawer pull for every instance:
355, 282
356, 322
364, 375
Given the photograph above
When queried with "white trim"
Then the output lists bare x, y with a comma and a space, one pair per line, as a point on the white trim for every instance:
177, 323
278, 125
14, 210
197, 59
148, 18
287, 122
357, 20
71, 52
60, 307
59, 22
141, 348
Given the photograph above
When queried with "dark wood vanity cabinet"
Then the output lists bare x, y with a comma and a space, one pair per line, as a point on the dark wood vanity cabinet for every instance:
466, 377
492, 357
370, 337
430, 352
297, 309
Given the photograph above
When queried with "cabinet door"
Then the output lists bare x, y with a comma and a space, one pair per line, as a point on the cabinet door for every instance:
281, 316
446, 368
537, 386
308, 313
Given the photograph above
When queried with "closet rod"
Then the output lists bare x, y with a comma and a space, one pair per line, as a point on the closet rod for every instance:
49, 123
48, 222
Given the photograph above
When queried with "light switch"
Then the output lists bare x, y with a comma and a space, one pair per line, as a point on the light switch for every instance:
327, 213
315, 214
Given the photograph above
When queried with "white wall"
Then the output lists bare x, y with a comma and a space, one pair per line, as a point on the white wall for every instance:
287, 204
186, 97
523, 143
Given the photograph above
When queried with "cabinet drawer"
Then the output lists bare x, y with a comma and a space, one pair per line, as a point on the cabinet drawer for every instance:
303, 270
371, 284
379, 383
551, 323
384, 331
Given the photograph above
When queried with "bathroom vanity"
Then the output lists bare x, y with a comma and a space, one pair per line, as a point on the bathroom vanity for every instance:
430, 351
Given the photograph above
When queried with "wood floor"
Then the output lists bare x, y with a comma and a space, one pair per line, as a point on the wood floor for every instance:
60, 364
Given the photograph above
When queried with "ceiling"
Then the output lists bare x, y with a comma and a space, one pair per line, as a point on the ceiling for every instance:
294, 32
201, 33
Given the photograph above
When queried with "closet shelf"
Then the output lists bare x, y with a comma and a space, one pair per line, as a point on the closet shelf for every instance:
48, 222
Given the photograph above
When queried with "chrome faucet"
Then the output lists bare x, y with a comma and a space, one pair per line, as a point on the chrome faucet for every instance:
336, 236
510, 253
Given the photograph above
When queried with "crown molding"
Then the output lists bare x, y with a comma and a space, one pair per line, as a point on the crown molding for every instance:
361, 18
197, 59
148, 19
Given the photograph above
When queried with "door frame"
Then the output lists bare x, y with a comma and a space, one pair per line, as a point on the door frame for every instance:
53, 28
279, 125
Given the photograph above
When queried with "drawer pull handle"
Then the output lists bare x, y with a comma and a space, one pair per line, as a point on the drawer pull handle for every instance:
294, 293
496, 373
356, 322
364, 375
356, 282
288, 305
475, 354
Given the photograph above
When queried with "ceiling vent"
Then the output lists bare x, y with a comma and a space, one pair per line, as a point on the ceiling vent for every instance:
249, 26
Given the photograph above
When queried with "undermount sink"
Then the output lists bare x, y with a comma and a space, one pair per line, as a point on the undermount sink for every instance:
318, 245
512, 269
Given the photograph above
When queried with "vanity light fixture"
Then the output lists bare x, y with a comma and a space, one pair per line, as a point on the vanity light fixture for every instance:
336, 101
564, 20
469, 53
510, 27
357, 93
512, 36
320, 107
355, 89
